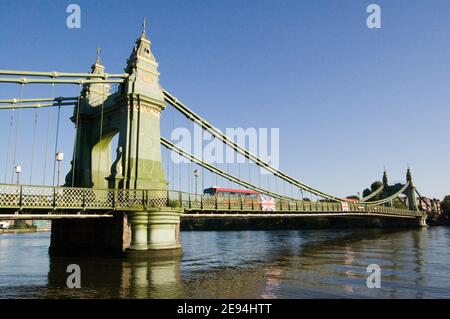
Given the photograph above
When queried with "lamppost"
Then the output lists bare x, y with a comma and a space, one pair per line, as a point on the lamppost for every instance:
196, 175
59, 159
18, 171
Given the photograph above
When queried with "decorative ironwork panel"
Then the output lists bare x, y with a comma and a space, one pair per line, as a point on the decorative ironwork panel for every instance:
69, 197
9, 196
37, 197
247, 203
222, 202
157, 198
209, 202
100, 199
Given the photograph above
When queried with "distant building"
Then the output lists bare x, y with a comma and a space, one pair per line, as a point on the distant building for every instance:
427, 204
5, 224
430, 205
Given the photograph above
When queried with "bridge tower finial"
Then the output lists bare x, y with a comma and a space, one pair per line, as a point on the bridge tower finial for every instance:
99, 50
385, 178
95, 93
411, 191
144, 28
409, 175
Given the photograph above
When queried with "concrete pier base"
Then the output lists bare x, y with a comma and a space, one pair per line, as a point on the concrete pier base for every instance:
104, 237
151, 234
138, 222
423, 221
162, 233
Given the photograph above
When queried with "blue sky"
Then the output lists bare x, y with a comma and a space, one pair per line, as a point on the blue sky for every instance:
348, 100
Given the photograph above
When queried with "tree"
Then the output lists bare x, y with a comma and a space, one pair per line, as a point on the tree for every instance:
375, 186
366, 192
445, 206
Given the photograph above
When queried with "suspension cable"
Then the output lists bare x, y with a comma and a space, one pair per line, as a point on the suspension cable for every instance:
166, 143
33, 144
74, 156
17, 135
385, 200
9, 144
373, 194
218, 134
101, 134
49, 117
56, 143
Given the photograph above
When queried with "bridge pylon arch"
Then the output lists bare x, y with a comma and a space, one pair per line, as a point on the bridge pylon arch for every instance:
133, 112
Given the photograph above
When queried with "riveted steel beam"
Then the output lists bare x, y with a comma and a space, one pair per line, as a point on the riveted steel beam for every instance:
56, 99
56, 74
56, 81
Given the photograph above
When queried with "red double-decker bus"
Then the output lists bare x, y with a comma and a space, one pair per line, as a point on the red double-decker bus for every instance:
230, 192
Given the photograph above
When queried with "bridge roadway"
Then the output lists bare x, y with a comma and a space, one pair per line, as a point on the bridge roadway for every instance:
45, 202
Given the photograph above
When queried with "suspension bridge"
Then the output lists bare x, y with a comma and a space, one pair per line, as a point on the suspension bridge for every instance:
128, 202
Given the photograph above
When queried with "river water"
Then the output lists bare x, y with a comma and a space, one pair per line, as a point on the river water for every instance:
414, 263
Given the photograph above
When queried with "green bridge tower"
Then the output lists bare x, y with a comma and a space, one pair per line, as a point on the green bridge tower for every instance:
133, 114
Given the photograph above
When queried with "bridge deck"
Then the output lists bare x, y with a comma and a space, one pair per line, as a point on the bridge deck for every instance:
55, 202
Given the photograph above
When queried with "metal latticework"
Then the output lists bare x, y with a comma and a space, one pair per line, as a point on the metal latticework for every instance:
66, 199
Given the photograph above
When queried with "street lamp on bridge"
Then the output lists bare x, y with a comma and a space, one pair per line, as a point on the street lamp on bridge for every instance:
196, 175
18, 171
59, 159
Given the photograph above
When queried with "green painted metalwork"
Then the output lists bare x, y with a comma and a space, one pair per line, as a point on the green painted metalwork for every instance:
57, 99
65, 200
388, 199
56, 74
222, 137
35, 106
213, 169
54, 81
135, 180
372, 195
133, 113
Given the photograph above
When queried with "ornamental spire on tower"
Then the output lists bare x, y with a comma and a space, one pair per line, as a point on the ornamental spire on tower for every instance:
385, 178
144, 28
99, 50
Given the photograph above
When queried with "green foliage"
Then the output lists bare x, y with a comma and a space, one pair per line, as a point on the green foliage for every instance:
445, 206
173, 203
21, 224
366, 192
375, 186
397, 203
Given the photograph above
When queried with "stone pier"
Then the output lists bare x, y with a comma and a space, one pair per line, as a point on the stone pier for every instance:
142, 234
155, 233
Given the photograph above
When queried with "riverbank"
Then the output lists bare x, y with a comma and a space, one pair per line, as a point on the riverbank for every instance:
22, 231
291, 223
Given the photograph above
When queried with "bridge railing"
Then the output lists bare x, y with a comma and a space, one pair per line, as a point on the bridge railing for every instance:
22, 197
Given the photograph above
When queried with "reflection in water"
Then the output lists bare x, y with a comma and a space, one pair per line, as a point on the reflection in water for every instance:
248, 264
118, 278
348, 260
272, 284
